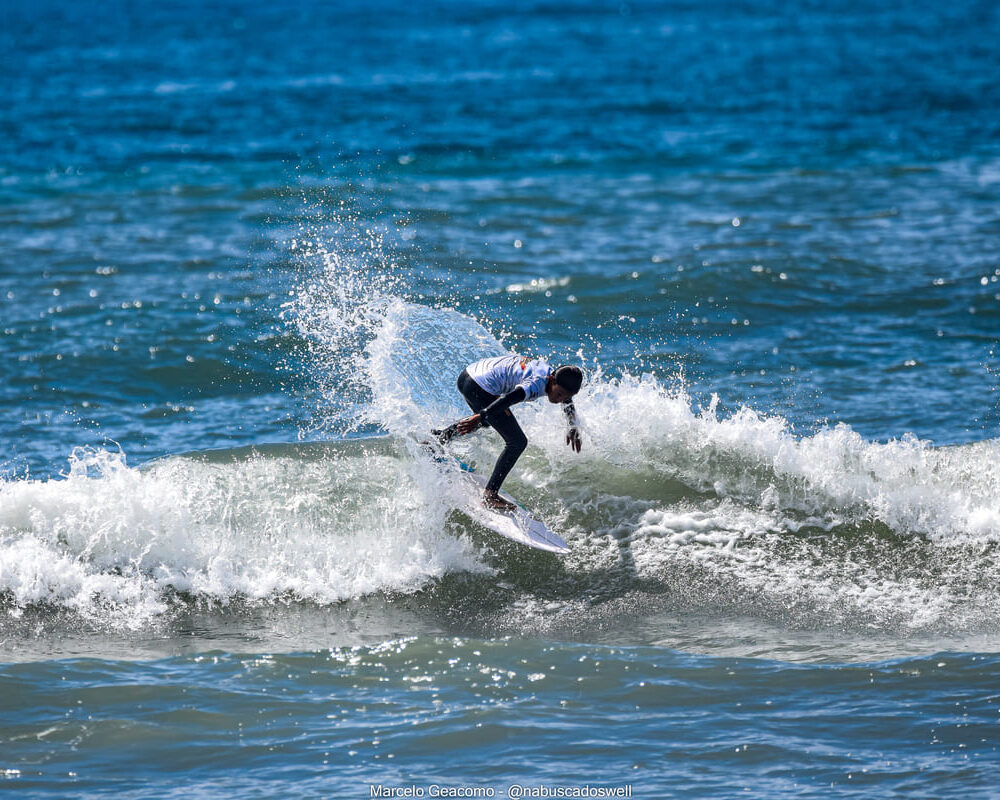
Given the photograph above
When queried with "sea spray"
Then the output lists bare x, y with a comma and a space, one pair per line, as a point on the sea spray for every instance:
345, 278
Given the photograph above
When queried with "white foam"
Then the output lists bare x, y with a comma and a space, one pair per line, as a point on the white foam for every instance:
950, 494
107, 536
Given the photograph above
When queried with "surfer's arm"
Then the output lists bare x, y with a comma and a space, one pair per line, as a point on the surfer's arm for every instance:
498, 406
573, 434
501, 404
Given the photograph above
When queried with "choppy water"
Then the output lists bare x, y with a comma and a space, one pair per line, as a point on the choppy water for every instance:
245, 252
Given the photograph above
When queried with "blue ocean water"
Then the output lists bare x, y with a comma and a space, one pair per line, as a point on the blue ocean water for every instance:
244, 253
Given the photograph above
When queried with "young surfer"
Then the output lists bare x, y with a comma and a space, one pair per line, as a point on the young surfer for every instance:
491, 386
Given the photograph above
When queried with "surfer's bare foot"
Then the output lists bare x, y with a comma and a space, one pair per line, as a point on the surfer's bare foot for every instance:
496, 502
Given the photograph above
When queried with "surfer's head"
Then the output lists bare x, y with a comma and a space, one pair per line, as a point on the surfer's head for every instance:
563, 384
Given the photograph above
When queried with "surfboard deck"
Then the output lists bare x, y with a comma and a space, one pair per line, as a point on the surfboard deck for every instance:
518, 525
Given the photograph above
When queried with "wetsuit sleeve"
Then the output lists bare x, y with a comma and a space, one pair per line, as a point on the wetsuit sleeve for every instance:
501, 404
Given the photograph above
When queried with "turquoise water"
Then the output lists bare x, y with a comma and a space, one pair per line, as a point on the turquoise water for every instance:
244, 253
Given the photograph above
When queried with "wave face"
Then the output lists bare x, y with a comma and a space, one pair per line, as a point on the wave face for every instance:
228, 254
673, 507
670, 507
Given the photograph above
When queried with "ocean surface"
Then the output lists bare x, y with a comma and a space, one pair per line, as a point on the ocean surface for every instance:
244, 253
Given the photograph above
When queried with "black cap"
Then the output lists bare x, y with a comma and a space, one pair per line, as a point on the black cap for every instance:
569, 377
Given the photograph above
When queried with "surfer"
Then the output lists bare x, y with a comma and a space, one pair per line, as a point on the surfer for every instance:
490, 387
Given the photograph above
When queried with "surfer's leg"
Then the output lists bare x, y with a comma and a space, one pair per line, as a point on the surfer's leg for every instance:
477, 398
515, 441
475, 395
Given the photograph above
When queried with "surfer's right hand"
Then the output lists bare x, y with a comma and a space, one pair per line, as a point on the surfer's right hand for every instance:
469, 424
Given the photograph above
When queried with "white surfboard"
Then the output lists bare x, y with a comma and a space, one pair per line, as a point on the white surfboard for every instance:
517, 525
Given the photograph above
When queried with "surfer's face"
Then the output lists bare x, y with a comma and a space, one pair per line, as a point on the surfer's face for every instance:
556, 393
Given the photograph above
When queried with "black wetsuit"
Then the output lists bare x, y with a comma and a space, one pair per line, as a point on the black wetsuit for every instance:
495, 412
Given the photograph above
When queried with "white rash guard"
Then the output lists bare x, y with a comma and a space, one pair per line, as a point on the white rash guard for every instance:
504, 374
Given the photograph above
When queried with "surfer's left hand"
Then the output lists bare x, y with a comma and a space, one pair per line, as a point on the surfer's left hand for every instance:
573, 439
